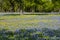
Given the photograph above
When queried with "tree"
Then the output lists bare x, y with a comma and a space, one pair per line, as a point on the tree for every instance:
48, 6
56, 5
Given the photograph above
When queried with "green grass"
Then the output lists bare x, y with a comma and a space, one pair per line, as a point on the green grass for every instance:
25, 21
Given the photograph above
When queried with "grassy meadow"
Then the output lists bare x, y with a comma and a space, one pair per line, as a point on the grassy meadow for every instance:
30, 27
13, 22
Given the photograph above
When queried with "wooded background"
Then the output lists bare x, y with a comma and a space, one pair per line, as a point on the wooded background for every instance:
29, 5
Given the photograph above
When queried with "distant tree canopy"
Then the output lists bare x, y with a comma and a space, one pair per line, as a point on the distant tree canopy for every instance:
29, 5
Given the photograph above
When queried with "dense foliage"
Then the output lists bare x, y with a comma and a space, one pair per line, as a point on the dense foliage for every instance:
30, 34
29, 5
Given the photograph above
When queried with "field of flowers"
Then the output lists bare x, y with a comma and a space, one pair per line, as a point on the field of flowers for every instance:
30, 27
14, 22
30, 34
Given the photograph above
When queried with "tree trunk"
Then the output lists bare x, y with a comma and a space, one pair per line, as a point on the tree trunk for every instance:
59, 10
32, 11
22, 12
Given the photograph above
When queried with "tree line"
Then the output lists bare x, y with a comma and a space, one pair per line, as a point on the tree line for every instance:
29, 5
